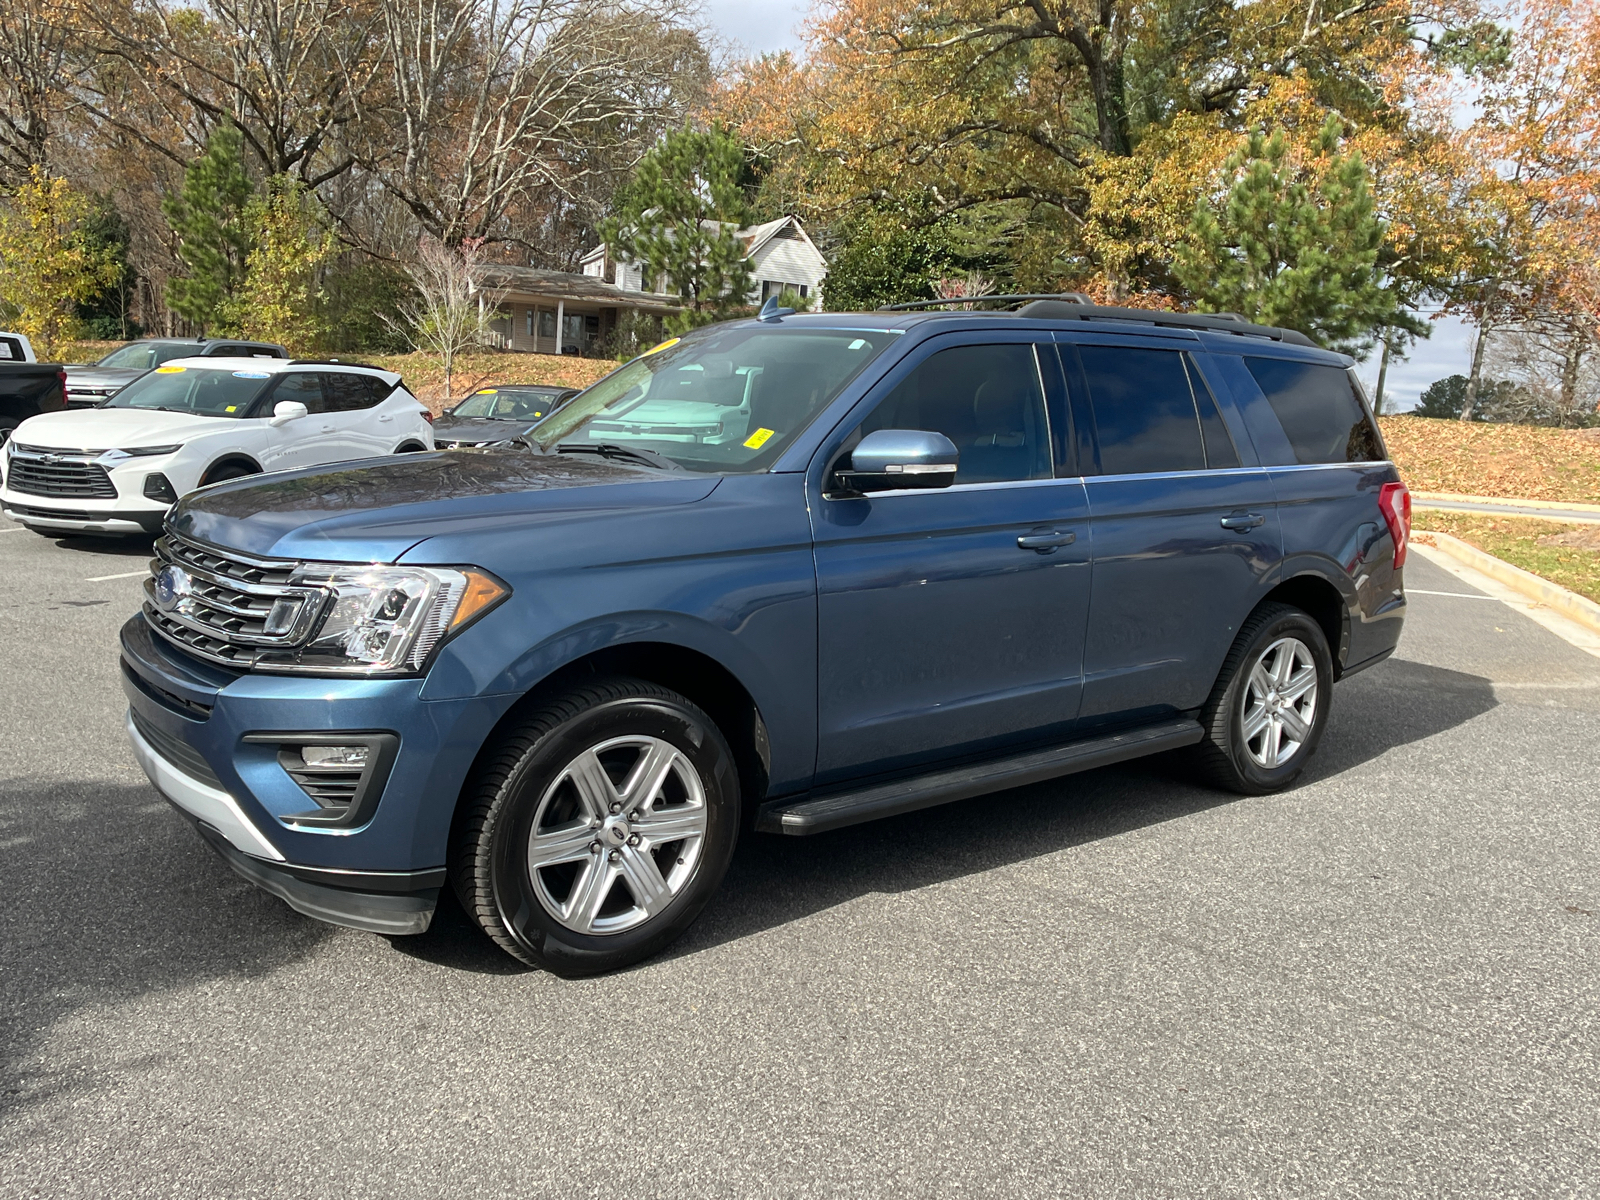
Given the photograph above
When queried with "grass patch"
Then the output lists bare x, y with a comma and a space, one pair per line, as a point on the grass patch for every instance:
1563, 553
1508, 461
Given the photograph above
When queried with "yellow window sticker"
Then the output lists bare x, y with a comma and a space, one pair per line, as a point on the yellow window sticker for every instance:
232, 408
488, 391
666, 345
758, 439
171, 370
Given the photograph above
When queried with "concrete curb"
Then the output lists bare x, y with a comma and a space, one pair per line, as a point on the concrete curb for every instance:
1504, 501
1569, 604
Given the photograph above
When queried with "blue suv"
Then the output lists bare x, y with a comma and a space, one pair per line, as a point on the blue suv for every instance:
785, 575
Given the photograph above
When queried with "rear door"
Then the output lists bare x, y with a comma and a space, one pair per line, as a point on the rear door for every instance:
940, 634
315, 438
356, 406
1185, 526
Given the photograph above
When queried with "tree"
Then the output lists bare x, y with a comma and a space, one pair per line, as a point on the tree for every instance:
680, 216
1293, 244
486, 103
35, 73
890, 257
452, 305
48, 263
210, 218
279, 300
104, 315
1443, 398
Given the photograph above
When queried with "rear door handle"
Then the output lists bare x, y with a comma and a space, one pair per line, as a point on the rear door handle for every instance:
1045, 540
1243, 521
385, 417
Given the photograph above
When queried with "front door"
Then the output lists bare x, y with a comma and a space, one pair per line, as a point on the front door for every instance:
1184, 530
940, 635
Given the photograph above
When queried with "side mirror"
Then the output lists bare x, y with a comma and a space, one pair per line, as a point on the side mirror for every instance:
892, 459
286, 411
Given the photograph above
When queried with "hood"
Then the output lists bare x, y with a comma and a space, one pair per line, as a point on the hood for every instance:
92, 376
480, 429
112, 428
377, 509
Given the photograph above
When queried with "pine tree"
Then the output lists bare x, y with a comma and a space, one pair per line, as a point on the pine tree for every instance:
212, 225
1294, 245
680, 216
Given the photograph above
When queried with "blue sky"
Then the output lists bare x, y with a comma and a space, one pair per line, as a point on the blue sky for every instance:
759, 26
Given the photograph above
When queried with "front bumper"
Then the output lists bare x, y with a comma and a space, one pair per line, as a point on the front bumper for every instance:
204, 736
54, 515
67, 509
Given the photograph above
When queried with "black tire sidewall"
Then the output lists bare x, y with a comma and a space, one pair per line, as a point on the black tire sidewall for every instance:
522, 914
1289, 624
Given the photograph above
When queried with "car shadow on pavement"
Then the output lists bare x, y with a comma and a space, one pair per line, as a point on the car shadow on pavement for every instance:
777, 880
109, 897
131, 546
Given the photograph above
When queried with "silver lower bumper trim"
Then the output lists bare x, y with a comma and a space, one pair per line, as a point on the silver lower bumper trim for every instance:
216, 808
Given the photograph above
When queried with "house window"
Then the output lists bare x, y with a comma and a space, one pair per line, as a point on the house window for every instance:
530, 322
547, 323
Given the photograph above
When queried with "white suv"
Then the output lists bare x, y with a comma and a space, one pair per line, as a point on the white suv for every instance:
117, 468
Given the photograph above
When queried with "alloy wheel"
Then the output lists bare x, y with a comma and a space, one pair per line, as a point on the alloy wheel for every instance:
617, 835
1279, 706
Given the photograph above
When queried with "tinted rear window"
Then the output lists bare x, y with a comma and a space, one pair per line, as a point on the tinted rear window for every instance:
1144, 413
1317, 406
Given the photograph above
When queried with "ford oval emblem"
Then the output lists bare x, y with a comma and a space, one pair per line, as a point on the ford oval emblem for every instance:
172, 587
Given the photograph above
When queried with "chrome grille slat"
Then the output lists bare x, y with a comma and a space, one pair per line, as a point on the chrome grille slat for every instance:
230, 600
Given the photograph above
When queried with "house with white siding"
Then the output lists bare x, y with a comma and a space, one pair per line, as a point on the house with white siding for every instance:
566, 312
781, 253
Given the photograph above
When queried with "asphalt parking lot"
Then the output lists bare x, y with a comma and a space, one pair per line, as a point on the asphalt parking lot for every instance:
1381, 983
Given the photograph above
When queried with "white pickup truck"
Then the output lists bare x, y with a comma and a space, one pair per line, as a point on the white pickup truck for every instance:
117, 468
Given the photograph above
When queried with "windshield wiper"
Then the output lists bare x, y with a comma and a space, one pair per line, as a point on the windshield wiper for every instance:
613, 451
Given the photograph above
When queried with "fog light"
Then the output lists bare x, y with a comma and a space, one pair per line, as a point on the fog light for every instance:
159, 487
334, 756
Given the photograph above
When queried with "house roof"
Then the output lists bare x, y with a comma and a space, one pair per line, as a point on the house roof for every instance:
753, 236
568, 285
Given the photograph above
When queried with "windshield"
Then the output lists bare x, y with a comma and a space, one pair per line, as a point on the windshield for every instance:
728, 399
144, 355
507, 402
199, 390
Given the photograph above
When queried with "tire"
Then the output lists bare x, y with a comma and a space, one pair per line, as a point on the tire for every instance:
226, 472
603, 891
1257, 741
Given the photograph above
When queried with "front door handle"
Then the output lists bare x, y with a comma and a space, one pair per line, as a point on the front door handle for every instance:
1242, 521
327, 429
1045, 540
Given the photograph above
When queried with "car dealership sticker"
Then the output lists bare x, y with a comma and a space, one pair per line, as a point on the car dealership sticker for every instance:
171, 370
758, 439
666, 345
247, 375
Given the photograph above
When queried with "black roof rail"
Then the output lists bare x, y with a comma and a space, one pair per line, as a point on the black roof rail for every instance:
910, 305
1075, 306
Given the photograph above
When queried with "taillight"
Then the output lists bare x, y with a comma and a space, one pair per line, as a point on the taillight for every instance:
1394, 500
427, 416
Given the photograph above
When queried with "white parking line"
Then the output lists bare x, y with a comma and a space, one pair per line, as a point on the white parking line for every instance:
1457, 595
1568, 630
127, 575
13, 529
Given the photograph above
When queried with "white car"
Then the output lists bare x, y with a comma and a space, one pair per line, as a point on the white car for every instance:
117, 468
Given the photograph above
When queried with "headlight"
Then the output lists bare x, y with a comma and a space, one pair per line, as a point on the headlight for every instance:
145, 451
384, 619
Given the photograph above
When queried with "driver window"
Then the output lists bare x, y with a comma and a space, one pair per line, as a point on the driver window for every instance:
302, 386
987, 400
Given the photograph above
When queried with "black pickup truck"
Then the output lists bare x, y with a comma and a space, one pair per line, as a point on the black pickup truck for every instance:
28, 389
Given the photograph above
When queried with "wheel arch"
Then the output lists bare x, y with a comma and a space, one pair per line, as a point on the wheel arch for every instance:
410, 446
692, 673
1322, 600
233, 458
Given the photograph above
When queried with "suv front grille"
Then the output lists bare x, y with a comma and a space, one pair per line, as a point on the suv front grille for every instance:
228, 603
75, 477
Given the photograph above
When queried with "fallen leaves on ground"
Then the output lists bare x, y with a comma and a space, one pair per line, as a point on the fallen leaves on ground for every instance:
1510, 461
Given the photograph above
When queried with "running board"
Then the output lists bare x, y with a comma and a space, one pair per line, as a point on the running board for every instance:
819, 814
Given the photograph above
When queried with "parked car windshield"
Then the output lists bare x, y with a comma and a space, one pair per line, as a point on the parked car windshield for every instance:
508, 402
144, 355
199, 390
727, 399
